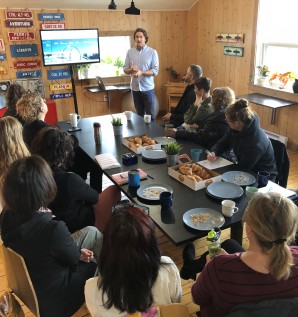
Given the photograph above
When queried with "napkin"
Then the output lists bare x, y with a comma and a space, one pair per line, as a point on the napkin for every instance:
220, 162
107, 161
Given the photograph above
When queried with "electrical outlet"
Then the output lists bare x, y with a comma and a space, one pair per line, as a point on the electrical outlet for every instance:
105, 98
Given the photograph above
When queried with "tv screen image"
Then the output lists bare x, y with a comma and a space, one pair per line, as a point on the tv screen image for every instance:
67, 47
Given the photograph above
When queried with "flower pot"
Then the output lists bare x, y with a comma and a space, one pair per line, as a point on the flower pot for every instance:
172, 159
261, 81
295, 86
117, 129
117, 72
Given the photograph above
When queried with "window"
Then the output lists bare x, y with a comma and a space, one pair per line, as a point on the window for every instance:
277, 40
113, 51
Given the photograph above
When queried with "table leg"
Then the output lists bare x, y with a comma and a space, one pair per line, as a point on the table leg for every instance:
273, 113
237, 232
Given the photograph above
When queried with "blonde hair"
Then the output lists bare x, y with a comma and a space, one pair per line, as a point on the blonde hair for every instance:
240, 111
29, 105
12, 146
273, 220
222, 97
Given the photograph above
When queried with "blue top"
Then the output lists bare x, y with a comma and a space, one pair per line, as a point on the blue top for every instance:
144, 59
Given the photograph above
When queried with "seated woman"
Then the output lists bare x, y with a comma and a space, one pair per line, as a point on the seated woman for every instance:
198, 111
57, 266
251, 146
14, 93
33, 109
12, 146
133, 274
214, 126
267, 270
76, 203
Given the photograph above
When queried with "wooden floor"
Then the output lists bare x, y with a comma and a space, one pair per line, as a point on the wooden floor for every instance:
167, 248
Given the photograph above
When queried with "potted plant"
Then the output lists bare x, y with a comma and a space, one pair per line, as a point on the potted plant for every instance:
82, 69
263, 72
175, 76
119, 64
172, 150
117, 126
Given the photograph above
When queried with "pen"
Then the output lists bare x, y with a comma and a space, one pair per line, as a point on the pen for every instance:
150, 176
207, 152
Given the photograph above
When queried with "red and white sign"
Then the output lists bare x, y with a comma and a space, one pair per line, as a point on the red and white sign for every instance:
21, 36
18, 14
52, 26
2, 47
26, 64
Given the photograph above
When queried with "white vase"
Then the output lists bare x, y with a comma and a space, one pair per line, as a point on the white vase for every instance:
117, 129
261, 81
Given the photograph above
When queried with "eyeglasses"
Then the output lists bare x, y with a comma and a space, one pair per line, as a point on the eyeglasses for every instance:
144, 208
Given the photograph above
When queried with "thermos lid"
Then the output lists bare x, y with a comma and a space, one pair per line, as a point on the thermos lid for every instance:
214, 234
96, 125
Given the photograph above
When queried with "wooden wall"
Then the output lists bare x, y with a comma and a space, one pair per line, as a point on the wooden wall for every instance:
166, 35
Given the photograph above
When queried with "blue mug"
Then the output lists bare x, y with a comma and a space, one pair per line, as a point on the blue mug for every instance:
166, 200
134, 178
263, 179
195, 154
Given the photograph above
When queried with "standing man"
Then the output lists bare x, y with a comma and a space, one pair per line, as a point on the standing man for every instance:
142, 64
176, 116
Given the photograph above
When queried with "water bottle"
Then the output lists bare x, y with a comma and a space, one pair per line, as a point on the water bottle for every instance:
213, 242
97, 132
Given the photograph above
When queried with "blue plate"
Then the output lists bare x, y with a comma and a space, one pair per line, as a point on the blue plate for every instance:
224, 190
238, 178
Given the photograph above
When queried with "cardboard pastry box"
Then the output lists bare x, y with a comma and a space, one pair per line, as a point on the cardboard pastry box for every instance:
139, 148
192, 183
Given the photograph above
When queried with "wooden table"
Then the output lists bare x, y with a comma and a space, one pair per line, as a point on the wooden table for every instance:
169, 221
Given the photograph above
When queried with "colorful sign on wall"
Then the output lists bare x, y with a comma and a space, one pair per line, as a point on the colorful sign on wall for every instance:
2, 57
23, 50
18, 14
26, 64
51, 16
61, 96
52, 26
60, 86
21, 36
58, 74
29, 74
2, 47
19, 23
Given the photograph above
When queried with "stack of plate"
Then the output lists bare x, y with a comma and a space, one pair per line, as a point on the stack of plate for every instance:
223, 190
155, 156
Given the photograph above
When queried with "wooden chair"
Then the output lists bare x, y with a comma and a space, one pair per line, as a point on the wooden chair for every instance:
175, 91
174, 310
18, 279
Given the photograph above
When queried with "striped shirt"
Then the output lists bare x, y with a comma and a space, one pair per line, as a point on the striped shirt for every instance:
226, 282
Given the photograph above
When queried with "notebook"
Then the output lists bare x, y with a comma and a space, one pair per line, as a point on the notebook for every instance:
122, 178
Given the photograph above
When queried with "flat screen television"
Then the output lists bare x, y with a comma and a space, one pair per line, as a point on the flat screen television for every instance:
69, 47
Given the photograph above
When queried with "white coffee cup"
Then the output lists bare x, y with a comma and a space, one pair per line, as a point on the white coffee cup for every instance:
74, 119
147, 118
228, 208
128, 114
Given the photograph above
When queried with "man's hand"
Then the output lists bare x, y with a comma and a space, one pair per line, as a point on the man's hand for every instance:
170, 132
212, 157
86, 255
137, 74
167, 116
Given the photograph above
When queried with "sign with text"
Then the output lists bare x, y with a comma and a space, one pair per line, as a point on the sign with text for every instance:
23, 50
61, 96
19, 23
26, 64
50, 16
52, 26
2, 57
21, 36
18, 14
29, 74
58, 74
2, 47
60, 86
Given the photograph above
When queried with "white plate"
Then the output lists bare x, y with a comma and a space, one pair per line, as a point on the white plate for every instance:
207, 218
224, 190
152, 191
164, 140
239, 178
154, 155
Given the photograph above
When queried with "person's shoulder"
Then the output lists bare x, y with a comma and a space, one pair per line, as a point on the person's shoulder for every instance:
225, 259
166, 260
92, 283
294, 251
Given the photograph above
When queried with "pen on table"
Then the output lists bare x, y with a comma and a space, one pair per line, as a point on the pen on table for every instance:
150, 176
207, 152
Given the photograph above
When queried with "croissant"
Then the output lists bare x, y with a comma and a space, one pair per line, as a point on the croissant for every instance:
138, 141
182, 169
191, 177
204, 174
188, 171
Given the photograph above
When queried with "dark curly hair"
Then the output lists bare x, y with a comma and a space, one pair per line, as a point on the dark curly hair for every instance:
14, 93
55, 146
141, 31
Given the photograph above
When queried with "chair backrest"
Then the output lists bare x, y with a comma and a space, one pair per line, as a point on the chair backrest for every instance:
173, 310
282, 162
19, 280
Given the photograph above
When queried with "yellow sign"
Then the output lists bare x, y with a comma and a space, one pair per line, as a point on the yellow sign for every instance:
60, 87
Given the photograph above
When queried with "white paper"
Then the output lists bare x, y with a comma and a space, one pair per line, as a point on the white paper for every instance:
220, 162
107, 161
275, 188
